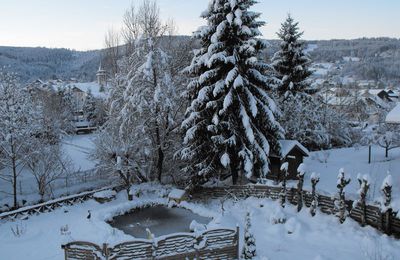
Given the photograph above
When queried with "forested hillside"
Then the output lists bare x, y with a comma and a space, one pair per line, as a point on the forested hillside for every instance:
45, 63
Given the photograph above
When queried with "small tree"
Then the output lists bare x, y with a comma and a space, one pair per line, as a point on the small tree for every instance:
249, 248
364, 187
19, 121
314, 203
342, 182
283, 177
301, 172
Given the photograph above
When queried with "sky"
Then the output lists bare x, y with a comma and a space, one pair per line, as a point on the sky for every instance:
82, 24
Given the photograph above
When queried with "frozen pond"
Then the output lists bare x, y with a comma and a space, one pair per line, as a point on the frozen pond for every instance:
160, 220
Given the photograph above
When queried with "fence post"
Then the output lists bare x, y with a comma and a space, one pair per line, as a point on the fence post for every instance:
300, 175
283, 193
237, 242
105, 251
314, 196
386, 210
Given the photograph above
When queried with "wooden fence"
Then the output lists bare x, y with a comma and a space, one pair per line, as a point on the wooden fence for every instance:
25, 212
387, 222
221, 244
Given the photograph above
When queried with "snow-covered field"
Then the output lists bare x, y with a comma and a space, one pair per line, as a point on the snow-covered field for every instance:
77, 149
354, 161
301, 237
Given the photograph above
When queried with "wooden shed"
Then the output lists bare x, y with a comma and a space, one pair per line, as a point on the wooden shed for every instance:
292, 152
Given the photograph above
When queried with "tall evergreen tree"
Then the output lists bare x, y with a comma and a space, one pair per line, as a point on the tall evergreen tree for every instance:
300, 111
291, 63
231, 120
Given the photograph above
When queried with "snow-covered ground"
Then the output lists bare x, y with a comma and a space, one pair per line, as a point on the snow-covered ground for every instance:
355, 161
77, 149
301, 237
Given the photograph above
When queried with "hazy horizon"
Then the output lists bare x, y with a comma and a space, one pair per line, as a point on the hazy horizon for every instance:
81, 25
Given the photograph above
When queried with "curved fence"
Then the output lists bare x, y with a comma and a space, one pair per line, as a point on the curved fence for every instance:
221, 244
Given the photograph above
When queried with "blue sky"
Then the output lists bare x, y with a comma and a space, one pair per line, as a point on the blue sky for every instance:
81, 24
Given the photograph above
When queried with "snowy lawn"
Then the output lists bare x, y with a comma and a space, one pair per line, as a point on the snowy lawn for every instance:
355, 161
301, 237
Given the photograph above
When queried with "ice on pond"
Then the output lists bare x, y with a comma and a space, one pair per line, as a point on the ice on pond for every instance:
160, 220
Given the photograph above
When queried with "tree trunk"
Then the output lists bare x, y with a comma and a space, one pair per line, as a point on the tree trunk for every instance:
160, 163
369, 154
14, 169
386, 152
234, 169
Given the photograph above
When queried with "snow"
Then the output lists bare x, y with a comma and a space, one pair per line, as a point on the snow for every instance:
177, 194
394, 116
355, 161
105, 194
300, 237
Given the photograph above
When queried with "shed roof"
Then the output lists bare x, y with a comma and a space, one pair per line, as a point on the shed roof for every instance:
288, 145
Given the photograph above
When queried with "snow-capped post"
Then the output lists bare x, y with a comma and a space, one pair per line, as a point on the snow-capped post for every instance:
386, 208
364, 187
314, 203
283, 177
301, 171
249, 247
340, 205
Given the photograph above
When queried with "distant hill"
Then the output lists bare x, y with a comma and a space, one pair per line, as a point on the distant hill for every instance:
377, 59
45, 63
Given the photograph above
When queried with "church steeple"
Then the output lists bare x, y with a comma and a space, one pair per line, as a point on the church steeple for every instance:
101, 76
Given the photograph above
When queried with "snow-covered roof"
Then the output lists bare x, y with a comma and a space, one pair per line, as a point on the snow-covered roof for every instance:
394, 116
288, 145
93, 87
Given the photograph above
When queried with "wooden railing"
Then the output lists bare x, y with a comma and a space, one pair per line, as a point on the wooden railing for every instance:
387, 222
221, 244
25, 212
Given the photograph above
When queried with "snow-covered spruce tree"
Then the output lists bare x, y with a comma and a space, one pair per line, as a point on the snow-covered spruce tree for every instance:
89, 107
230, 123
290, 63
301, 117
19, 123
340, 204
249, 247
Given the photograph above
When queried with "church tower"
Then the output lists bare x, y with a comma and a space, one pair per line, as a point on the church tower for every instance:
101, 77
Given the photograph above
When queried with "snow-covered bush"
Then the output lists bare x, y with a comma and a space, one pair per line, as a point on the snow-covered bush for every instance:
249, 247
197, 227
314, 203
340, 203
